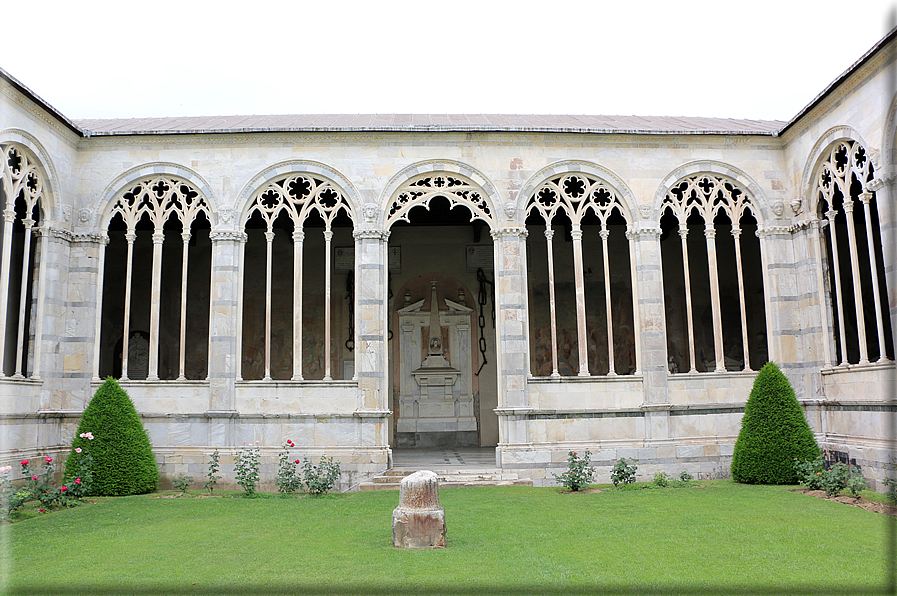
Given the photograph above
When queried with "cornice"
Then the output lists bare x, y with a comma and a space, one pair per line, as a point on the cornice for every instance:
36, 110
228, 236
382, 235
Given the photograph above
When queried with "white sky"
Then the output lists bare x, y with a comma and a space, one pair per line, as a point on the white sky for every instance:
762, 59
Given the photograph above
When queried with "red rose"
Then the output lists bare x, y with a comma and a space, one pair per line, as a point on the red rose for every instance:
24, 462
297, 461
63, 488
77, 481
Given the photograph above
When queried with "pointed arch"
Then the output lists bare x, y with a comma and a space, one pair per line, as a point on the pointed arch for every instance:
571, 194
23, 191
417, 184
714, 288
155, 210
844, 206
278, 204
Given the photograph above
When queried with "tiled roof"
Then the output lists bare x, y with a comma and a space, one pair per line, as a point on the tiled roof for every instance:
429, 122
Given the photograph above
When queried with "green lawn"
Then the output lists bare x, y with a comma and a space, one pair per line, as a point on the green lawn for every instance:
723, 538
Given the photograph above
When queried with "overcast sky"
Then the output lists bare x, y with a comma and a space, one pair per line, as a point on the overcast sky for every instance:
762, 59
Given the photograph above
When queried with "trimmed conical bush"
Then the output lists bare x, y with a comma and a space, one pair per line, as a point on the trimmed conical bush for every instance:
773, 432
123, 460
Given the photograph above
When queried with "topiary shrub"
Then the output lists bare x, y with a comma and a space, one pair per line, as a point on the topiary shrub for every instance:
123, 461
773, 432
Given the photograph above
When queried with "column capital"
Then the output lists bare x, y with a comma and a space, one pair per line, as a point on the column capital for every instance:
709, 231
381, 235
298, 235
158, 237
228, 236
9, 214
269, 236
185, 236
865, 197
519, 232
646, 232
328, 235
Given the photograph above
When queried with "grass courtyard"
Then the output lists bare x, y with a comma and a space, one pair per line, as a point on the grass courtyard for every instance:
710, 538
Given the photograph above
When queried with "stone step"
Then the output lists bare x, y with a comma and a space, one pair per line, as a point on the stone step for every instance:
391, 479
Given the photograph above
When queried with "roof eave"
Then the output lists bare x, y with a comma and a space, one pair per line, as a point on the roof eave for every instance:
21, 88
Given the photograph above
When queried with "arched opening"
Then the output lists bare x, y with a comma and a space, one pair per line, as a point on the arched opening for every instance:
854, 261
156, 283
580, 280
298, 258
444, 385
21, 191
712, 277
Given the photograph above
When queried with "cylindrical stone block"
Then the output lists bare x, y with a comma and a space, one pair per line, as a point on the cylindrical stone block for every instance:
419, 521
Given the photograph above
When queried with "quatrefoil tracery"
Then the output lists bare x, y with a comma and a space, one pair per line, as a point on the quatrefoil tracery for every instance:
575, 195
845, 173
160, 198
707, 195
21, 181
298, 196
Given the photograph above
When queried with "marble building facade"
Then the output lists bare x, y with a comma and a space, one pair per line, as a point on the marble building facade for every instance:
600, 283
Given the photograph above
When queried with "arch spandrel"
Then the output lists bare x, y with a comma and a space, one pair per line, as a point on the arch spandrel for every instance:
417, 184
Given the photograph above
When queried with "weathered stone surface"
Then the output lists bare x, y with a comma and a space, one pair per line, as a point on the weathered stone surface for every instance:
419, 520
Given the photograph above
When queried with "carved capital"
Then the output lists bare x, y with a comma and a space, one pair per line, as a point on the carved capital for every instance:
328, 235
875, 185
298, 235
228, 236
158, 237
381, 235
509, 233
648, 232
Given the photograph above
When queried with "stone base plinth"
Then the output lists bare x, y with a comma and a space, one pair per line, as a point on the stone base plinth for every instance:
419, 520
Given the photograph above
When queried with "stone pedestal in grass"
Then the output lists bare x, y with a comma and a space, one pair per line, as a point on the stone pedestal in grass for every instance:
419, 521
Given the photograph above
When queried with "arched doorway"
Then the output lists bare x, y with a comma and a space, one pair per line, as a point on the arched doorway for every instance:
443, 383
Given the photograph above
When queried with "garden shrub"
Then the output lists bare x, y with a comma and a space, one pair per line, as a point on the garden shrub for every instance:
320, 478
809, 472
623, 473
123, 460
579, 473
773, 432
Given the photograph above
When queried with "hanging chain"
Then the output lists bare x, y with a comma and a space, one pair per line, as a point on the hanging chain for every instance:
482, 298
350, 296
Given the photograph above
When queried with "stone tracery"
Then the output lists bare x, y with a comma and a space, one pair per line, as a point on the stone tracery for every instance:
297, 198
718, 203
22, 190
845, 178
572, 198
423, 189
154, 203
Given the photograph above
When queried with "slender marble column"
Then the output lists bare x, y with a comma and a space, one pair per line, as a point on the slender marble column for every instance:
836, 268
549, 234
710, 235
328, 237
23, 296
683, 234
581, 336
130, 236
857, 283
866, 197
9, 216
736, 233
269, 236
611, 370
185, 236
155, 305
298, 241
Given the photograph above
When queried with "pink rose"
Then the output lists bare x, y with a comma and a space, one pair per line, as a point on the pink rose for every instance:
63, 488
49, 460
42, 510
77, 481
77, 450
34, 478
